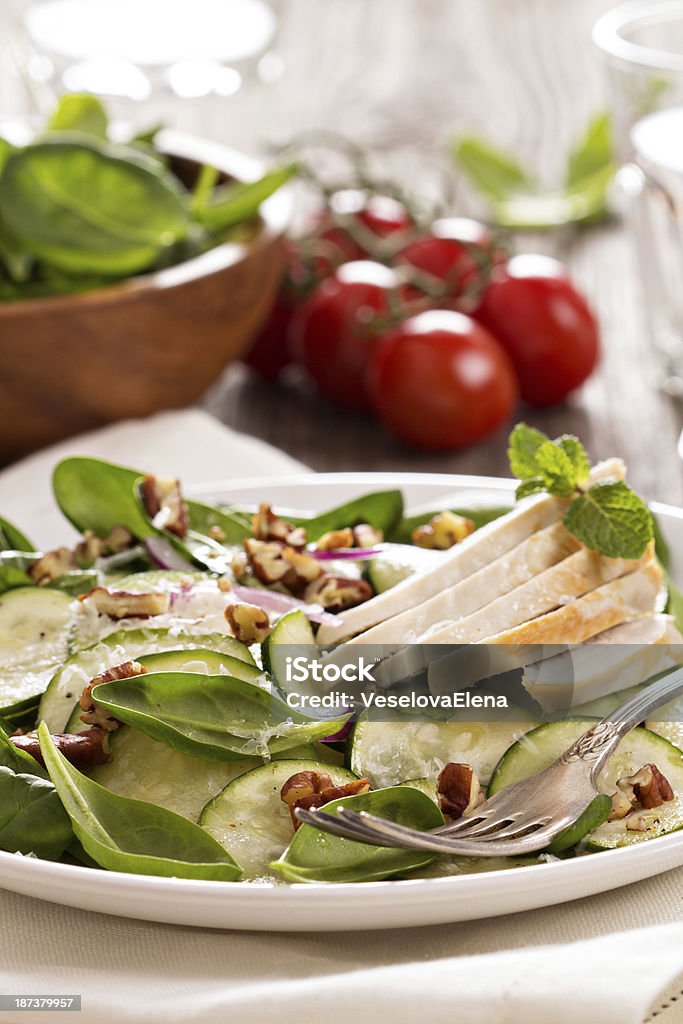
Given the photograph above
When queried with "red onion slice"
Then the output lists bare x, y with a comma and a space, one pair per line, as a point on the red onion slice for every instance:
355, 554
339, 737
273, 601
165, 556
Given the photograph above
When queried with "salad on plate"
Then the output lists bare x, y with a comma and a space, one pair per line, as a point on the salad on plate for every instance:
150, 722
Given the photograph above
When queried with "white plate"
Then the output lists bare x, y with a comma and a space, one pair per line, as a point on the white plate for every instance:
370, 904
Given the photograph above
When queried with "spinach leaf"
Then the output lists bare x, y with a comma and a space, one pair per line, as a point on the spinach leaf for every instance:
511, 190
132, 836
496, 174
32, 819
5, 149
233, 526
12, 539
237, 201
674, 603
18, 263
403, 533
86, 206
80, 112
20, 715
12, 577
18, 760
220, 718
662, 549
315, 856
98, 495
12, 565
592, 153
382, 509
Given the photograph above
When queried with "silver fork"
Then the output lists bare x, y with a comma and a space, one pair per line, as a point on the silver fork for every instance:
526, 816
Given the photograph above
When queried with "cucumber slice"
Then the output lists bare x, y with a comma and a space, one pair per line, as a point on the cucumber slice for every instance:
159, 580
67, 684
642, 746
34, 630
444, 867
291, 638
251, 821
600, 707
539, 748
397, 562
199, 607
146, 769
668, 722
389, 753
198, 660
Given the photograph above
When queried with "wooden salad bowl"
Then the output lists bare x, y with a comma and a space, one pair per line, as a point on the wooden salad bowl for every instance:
157, 341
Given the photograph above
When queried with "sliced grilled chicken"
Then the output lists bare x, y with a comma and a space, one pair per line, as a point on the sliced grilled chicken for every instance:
474, 553
620, 657
556, 587
530, 558
618, 601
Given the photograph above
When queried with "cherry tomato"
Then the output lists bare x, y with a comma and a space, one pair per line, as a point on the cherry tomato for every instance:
333, 332
545, 325
457, 252
374, 218
440, 381
383, 215
270, 353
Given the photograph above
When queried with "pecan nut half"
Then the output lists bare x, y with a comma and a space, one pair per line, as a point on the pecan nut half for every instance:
458, 790
52, 565
121, 604
81, 749
265, 525
249, 623
94, 715
336, 593
443, 531
273, 562
366, 536
92, 547
309, 789
642, 791
335, 539
165, 505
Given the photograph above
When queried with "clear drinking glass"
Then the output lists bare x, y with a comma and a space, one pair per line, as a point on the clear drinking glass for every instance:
642, 44
146, 52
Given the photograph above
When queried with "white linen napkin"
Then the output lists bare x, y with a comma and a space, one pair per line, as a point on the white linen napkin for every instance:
606, 958
189, 444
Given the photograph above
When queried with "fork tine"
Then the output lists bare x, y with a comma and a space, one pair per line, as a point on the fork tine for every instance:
503, 806
336, 826
416, 840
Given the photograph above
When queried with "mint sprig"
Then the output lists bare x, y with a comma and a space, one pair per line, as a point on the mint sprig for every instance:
606, 516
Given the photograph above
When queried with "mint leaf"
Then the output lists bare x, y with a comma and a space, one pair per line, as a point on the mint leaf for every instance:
577, 456
593, 152
532, 485
557, 469
611, 519
492, 171
559, 465
523, 445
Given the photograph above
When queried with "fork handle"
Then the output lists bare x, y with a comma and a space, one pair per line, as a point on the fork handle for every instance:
599, 743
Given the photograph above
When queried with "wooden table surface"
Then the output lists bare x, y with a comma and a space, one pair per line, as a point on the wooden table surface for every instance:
401, 77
